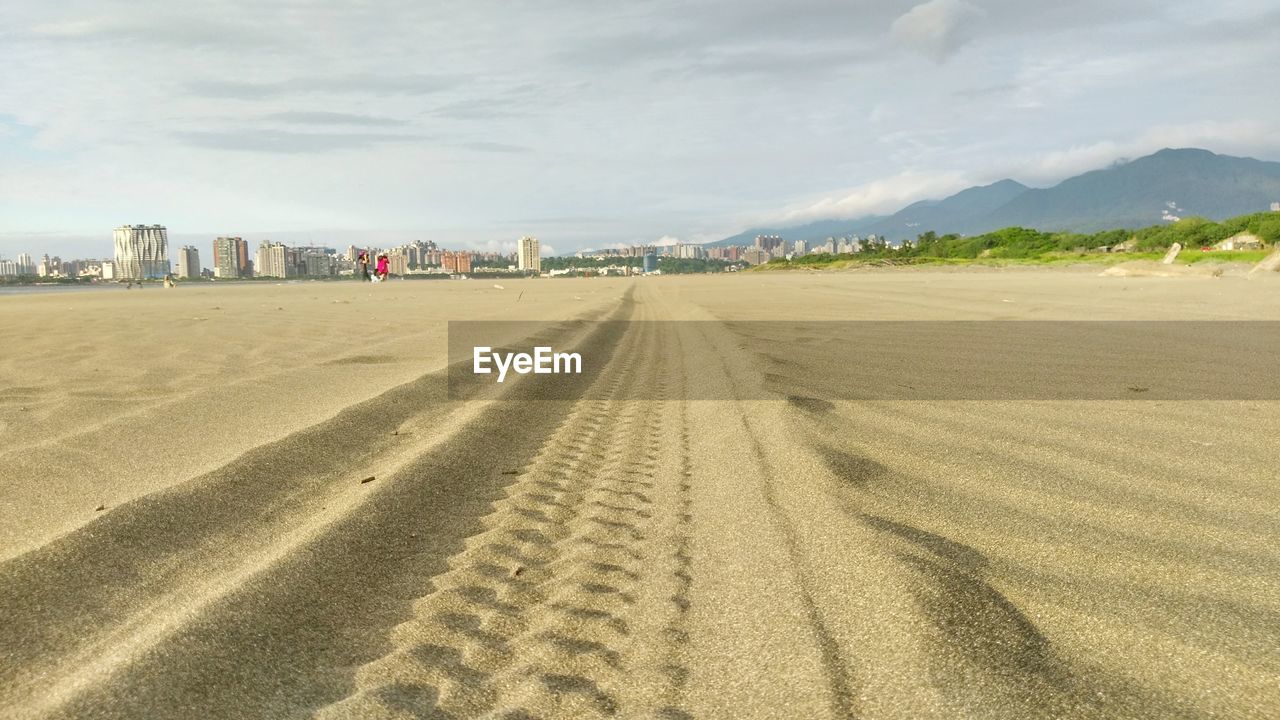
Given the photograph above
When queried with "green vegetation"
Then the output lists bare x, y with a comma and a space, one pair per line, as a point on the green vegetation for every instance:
1241, 256
569, 262
680, 266
480, 262
36, 279
1025, 246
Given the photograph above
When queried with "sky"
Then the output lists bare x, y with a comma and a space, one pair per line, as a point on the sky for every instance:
589, 124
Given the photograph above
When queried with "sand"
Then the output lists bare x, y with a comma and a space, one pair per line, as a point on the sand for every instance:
770, 553
111, 394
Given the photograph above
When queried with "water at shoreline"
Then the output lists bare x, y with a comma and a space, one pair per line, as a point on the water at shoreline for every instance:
28, 289
55, 287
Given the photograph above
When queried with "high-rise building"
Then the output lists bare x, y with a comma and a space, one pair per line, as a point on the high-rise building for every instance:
273, 260
691, 252
1275, 207
772, 244
230, 257
458, 262
417, 253
316, 262
529, 257
188, 262
26, 266
242, 258
141, 252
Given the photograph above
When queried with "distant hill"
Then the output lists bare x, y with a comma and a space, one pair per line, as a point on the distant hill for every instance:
966, 209
1131, 194
1134, 194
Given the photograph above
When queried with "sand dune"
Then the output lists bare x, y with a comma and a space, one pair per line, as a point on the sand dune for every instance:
612, 556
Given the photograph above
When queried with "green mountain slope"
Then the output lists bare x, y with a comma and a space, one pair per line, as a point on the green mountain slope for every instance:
1137, 193
1182, 183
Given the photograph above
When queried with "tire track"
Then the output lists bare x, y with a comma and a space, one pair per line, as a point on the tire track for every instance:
188, 614
570, 602
673, 659
837, 672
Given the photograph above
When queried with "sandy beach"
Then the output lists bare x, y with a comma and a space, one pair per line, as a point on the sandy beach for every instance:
260, 501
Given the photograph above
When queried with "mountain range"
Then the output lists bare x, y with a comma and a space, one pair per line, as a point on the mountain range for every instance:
1137, 193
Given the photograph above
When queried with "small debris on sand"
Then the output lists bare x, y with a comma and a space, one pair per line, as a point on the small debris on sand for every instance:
499, 287
100, 508
510, 472
367, 480
516, 572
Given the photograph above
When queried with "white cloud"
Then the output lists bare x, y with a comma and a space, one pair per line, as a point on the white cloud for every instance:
937, 28
1235, 136
70, 29
891, 194
494, 246
878, 197
881, 113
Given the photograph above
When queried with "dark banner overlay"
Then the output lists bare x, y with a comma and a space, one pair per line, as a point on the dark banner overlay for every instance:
831, 361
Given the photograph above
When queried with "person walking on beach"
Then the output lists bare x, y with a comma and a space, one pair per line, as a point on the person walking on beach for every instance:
364, 266
382, 267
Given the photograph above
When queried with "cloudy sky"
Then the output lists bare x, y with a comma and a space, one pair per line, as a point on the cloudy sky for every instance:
473, 122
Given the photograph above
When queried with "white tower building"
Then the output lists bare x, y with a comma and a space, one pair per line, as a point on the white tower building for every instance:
529, 257
142, 252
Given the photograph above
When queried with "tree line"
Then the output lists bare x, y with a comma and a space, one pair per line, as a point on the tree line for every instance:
1026, 243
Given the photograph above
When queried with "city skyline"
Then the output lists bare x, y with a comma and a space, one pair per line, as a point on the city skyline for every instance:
142, 252
98, 246
481, 131
234, 249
